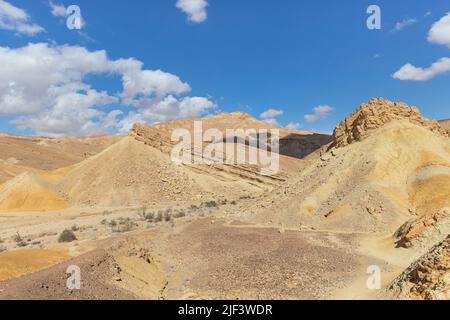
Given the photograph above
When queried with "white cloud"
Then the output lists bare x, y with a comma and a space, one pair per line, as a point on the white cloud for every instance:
399, 26
167, 109
272, 122
74, 113
320, 112
16, 19
195, 9
440, 31
294, 126
45, 87
271, 113
58, 10
410, 72
270, 116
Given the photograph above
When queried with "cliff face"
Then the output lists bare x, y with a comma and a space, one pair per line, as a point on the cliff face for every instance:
375, 114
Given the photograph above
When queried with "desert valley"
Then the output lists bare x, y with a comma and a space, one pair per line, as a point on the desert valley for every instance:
375, 193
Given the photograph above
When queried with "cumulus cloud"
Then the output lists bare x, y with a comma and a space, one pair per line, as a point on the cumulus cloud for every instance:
440, 31
45, 88
410, 72
399, 26
167, 109
270, 116
271, 113
440, 34
320, 112
58, 10
15, 19
294, 126
195, 9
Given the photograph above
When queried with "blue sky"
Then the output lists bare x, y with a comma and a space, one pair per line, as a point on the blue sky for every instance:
253, 55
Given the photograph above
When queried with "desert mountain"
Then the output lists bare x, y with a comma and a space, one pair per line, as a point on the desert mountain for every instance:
293, 143
131, 173
386, 165
20, 154
137, 170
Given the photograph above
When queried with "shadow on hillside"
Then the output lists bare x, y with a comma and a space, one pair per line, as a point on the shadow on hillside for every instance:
299, 146
294, 145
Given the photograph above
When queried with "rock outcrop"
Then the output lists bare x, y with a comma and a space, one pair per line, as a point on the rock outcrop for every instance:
420, 228
376, 113
427, 278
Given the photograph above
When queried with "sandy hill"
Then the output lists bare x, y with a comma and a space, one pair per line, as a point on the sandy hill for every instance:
138, 169
131, 173
28, 192
387, 164
293, 143
9, 169
135, 170
19, 154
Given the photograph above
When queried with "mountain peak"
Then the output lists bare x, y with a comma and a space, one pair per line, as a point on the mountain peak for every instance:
375, 114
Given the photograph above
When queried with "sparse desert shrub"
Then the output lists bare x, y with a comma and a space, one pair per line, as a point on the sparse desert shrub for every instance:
211, 204
19, 240
167, 216
179, 214
224, 202
67, 236
150, 216
106, 213
1, 240
233, 202
159, 216
75, 228
104, 222
125, 225
142, 213
193, 207
3, 249
113, 223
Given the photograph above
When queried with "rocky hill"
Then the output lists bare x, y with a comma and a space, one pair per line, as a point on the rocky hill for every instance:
375, 114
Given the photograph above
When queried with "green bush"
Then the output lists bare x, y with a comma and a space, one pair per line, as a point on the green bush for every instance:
67, 236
